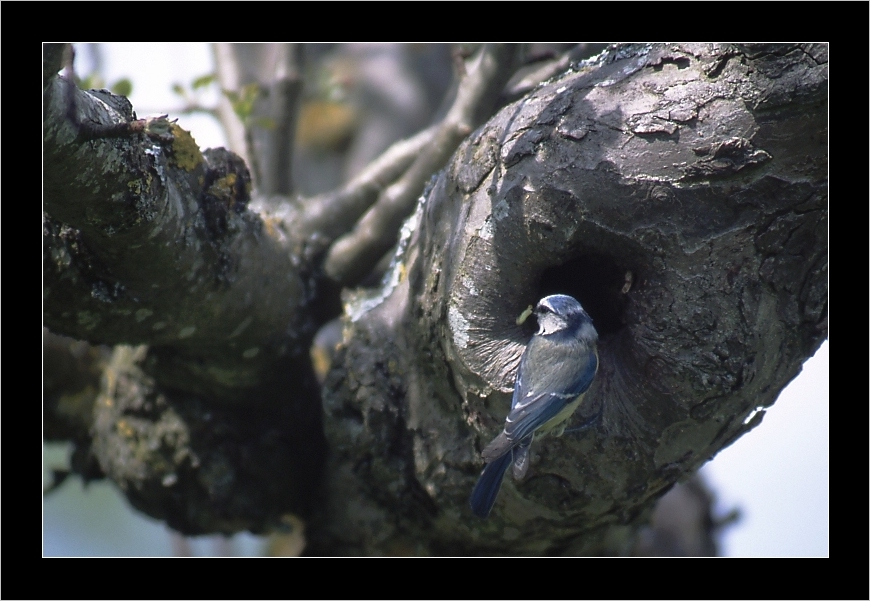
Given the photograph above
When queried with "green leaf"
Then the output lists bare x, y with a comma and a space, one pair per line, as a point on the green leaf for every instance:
243, 101
91, 82
123, 87
203, 81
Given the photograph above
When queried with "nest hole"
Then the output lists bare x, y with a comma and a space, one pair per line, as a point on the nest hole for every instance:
597, 282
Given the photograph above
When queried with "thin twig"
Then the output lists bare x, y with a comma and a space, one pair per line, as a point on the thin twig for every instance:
268, 133
334, 213
230, 78
353, 255
285, 96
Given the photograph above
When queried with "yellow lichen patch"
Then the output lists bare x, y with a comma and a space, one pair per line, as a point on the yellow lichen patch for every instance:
184, 149
140, 186
223, 188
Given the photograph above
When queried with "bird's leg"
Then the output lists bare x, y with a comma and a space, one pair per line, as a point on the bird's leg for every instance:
521, 457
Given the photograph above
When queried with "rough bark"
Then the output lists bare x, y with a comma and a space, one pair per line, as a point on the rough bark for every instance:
150, 241
680, 193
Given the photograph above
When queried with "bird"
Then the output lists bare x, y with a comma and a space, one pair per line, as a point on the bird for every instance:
555, 371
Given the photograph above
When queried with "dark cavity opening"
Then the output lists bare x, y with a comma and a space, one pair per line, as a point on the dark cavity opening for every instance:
597, 282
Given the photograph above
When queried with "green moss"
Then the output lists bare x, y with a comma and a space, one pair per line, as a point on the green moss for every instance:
185, 149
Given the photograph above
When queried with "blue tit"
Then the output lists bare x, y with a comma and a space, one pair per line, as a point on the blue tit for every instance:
555, 371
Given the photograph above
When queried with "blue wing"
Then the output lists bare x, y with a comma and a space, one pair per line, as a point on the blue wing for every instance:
561, 373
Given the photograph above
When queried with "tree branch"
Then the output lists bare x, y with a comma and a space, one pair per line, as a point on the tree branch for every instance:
273, 72
354, 254
230, 77
138, 250
285, 99
229, 73
336, 212
680, 193
53, 60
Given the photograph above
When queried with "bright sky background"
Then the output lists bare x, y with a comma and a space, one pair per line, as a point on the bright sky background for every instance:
777, 475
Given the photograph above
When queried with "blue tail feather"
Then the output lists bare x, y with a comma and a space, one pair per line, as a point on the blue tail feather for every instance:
486, 490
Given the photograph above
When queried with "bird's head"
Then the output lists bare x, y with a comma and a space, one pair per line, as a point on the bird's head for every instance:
560, 312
